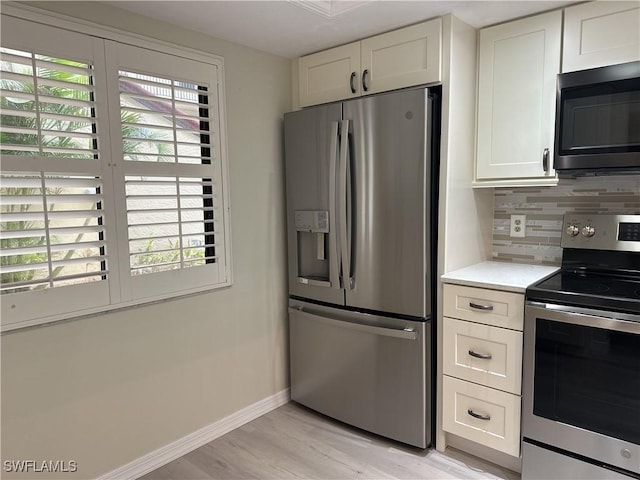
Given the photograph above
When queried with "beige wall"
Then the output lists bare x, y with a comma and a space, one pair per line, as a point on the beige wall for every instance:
108, 389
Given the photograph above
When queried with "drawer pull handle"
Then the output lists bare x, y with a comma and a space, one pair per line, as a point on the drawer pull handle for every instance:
484, 356
481, 416
486, 308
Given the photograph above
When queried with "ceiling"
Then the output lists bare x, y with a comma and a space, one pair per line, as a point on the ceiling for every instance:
291, 28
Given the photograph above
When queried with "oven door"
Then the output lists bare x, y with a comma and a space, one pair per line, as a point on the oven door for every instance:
582, 383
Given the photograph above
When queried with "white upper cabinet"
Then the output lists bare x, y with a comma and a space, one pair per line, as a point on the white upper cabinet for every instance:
600, 33
518, 64
329, 75
402, 58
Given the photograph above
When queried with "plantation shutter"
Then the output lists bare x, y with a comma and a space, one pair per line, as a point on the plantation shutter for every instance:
113, 185
52, 210
170, 171
52, 233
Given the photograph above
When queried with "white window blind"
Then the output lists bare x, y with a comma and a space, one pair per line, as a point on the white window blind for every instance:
52, 233
53, 246
112, 188
170, 172
47, 106
170, 223
164, 120
170, 218
50, 223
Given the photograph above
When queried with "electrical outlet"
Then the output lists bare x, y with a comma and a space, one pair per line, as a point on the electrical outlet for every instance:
517, 226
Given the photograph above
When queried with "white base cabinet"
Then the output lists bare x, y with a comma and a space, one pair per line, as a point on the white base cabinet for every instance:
482, 366
518, 65
401, 58
597, 34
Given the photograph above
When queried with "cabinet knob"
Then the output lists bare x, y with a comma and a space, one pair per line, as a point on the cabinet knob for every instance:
352, 82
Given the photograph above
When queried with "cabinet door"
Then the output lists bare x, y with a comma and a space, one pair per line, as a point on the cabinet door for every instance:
518, 65
329, 75
406, 57
600, 33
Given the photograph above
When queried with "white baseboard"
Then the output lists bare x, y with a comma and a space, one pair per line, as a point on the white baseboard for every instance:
156, 459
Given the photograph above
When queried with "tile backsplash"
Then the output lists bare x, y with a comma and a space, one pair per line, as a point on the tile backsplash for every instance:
544, 208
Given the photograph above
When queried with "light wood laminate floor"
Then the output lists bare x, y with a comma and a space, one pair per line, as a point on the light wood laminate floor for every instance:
295, 442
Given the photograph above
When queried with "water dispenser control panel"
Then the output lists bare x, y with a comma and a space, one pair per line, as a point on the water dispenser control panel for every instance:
312, 221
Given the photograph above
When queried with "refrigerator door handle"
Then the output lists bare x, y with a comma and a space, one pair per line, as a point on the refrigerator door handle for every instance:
345, 206
404, 334
334, 249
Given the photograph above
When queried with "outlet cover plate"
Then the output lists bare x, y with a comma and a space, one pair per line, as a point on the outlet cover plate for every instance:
517, 226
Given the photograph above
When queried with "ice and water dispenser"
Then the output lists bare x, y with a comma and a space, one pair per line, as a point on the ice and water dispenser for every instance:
312, 231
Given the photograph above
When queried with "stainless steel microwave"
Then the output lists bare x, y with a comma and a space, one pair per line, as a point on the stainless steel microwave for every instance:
598, 121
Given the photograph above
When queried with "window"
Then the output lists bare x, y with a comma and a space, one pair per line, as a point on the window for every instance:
112, 190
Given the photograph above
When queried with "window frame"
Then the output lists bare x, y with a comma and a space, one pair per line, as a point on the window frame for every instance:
119, 294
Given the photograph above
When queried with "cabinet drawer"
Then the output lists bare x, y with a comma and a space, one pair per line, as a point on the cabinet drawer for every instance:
482, 354
492, 307
499, 427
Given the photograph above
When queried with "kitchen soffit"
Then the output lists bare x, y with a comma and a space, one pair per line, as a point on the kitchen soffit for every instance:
283, 28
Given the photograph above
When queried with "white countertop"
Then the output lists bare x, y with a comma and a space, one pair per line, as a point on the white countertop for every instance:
511, 277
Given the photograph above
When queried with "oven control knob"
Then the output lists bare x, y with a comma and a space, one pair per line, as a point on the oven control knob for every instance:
572, 230
588, 231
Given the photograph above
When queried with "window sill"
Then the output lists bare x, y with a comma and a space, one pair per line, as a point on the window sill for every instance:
7, 327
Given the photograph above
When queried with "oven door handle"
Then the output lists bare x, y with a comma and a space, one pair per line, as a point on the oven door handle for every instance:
623, 322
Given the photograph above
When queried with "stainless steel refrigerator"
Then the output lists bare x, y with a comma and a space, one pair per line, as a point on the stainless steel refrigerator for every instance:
361, 179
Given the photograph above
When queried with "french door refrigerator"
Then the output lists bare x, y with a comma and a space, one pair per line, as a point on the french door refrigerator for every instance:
361, 179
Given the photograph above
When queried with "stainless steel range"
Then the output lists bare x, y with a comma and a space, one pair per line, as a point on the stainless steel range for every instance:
581, 406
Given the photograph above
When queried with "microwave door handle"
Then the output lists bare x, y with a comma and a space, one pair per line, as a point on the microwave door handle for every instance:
334, 248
